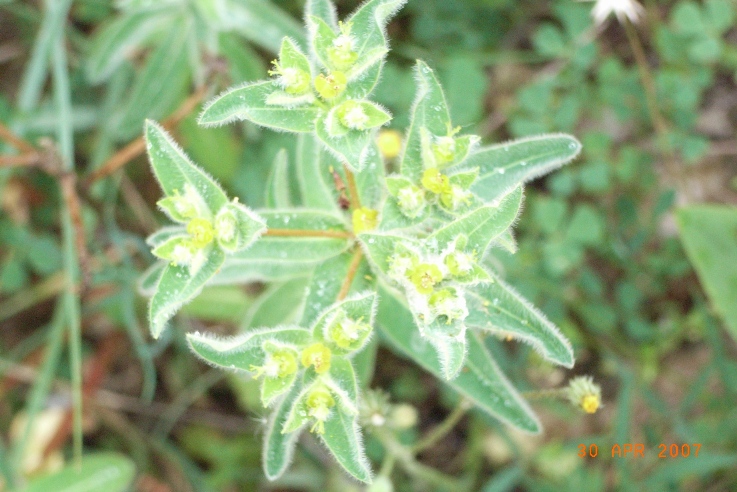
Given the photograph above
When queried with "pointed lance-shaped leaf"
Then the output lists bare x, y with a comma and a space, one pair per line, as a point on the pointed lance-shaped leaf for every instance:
278, 448
249, 102
480, 380
505, 166
343, 438
483, 225
497, 307
178, 286
429, 111
243, 351
368, 26
450, 347
322, 9
175, 172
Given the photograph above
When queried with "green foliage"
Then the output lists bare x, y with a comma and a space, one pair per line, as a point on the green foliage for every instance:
402, 265
471, 197
709, 233
111, 471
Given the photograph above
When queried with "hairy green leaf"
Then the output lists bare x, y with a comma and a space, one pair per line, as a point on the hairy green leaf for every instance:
497, 307
240, 352
177, 286
505, 166
313, 174
326, 282
343, 438
480, 379
249, 102
429, 111
278, 448
277, 186
176, 173
483, 225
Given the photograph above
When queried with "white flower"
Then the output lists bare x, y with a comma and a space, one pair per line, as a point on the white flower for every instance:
623, 9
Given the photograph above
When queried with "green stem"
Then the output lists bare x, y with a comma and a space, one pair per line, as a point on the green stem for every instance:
41, 385
70, 298
409, 463
443, 428
49, 35
185, 399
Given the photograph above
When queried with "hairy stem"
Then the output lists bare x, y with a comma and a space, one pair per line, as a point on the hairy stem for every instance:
306, 233
352, 188
352, 270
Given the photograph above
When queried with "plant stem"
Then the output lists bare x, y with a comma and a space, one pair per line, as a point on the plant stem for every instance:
28, 159
70, 298
14, 140
307, 233
647, 80
138, 146
410, 465
444, 427
352, 270
47, 288
352, 188
543, 394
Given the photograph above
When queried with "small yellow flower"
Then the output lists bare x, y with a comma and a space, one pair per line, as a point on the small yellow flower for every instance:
424, 277
330, 86
583, 393
317, 355
364, 219
201, 231
590, 403
435, 181
390, 143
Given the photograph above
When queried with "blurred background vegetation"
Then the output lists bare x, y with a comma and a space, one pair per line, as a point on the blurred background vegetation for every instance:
617, 248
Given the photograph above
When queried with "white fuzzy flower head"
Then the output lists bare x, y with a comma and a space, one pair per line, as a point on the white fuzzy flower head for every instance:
623, 9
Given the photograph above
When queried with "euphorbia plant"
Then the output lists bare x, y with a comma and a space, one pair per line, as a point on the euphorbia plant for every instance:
402, 254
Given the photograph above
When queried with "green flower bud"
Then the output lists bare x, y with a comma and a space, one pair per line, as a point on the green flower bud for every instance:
318, 403
292, 79
342, 54
583, 393
352, 115
444, 150
448, 303
453, 197
459, 264
226, 226
401, 263
411, 201
348, 333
